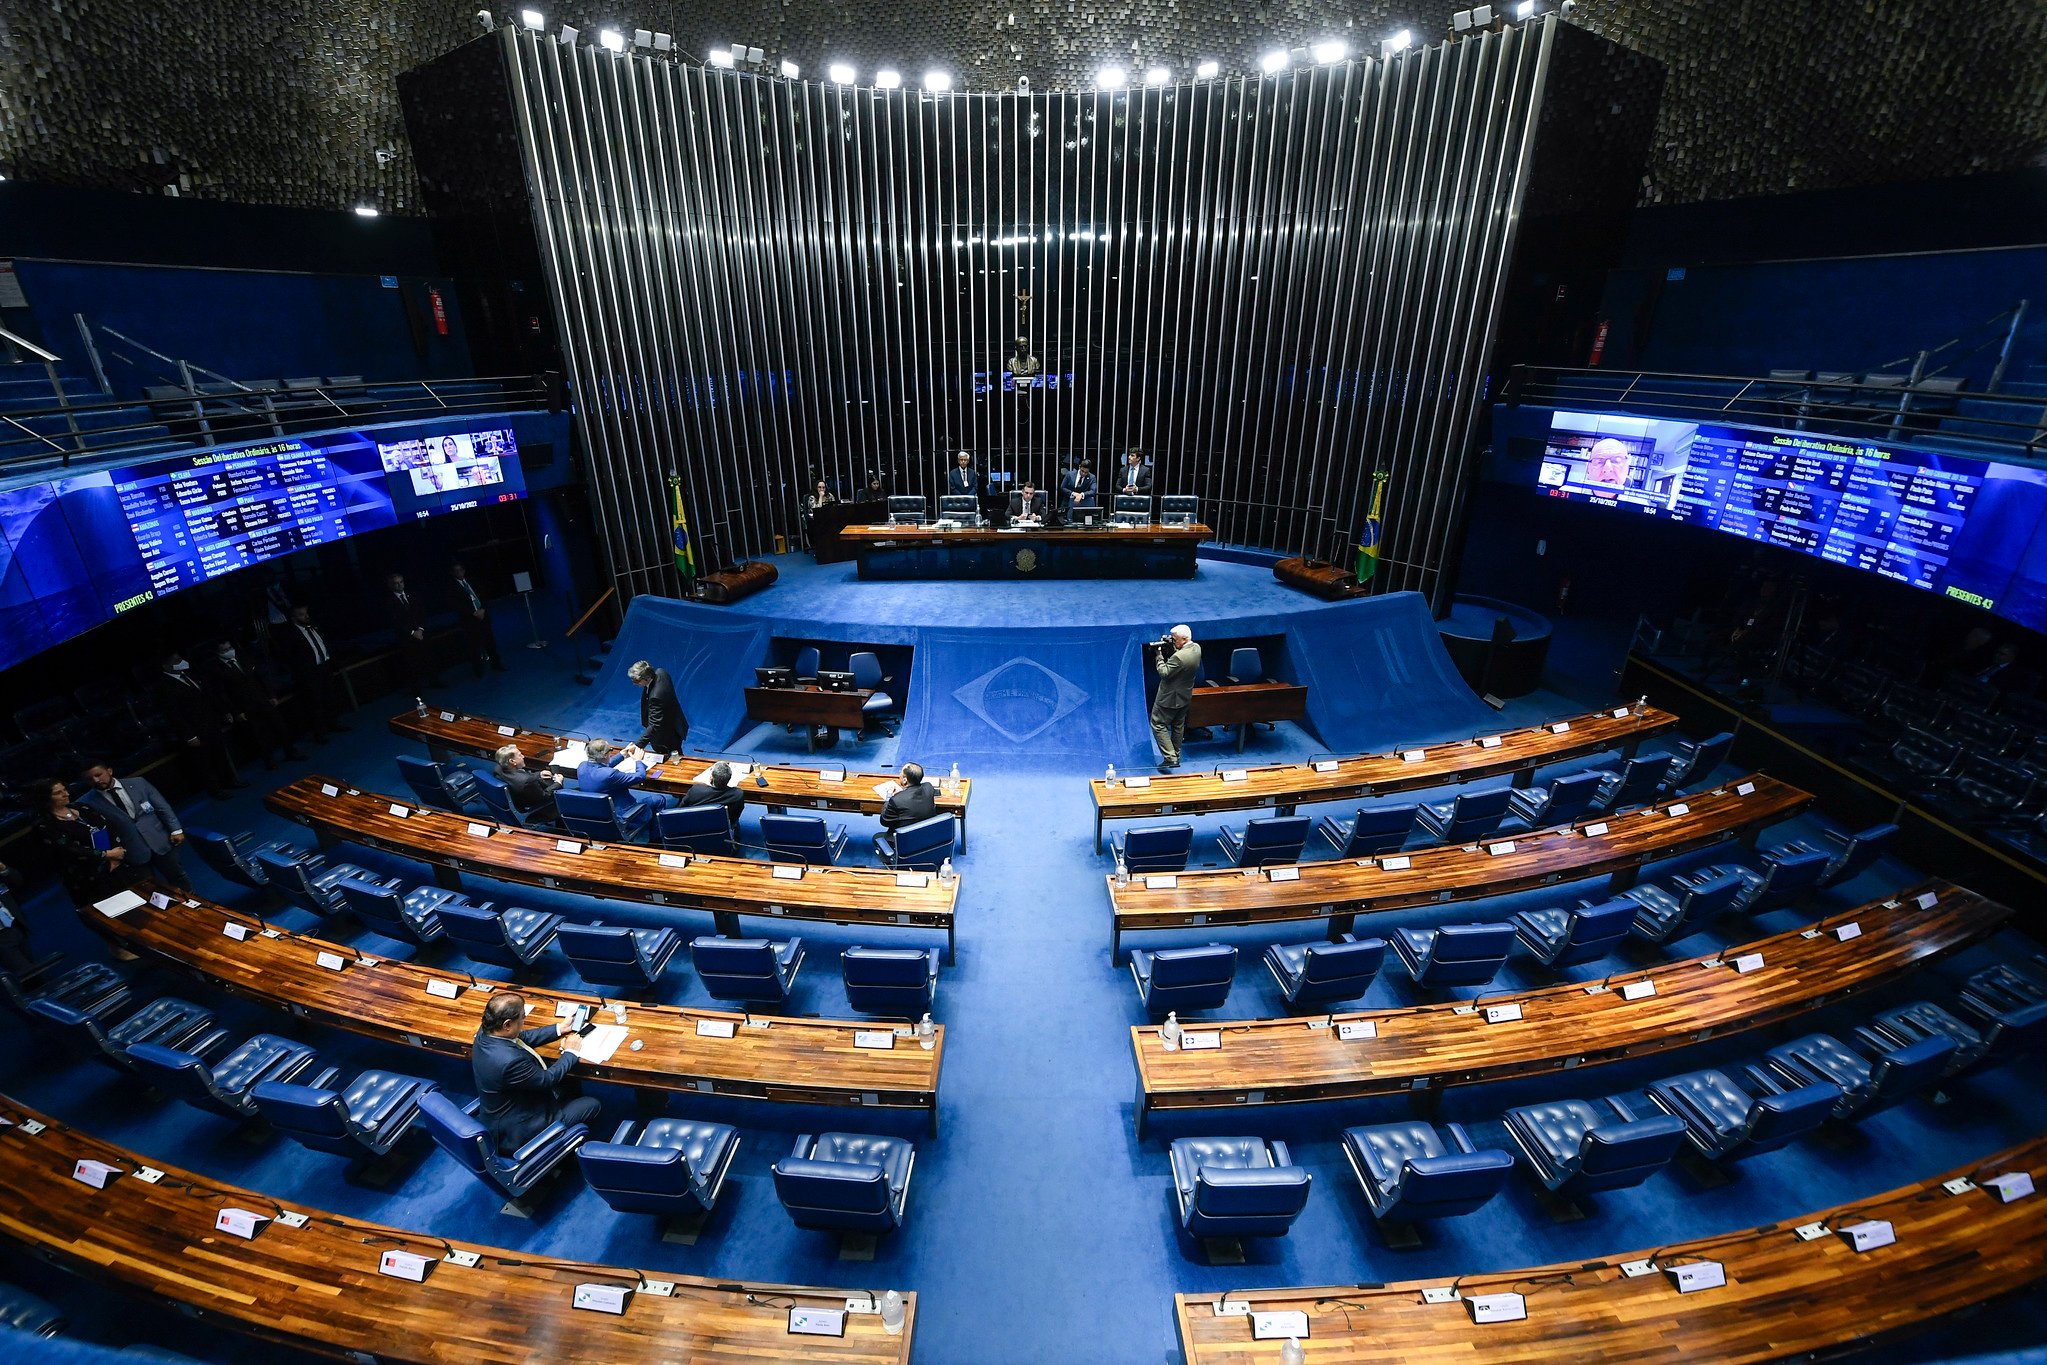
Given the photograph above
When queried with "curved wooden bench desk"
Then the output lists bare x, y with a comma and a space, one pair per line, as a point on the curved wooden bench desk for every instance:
1282, 786
1428, 1047
1783, 1297
318, 1286
768, 1057
1342, 888
728, 887
446, 733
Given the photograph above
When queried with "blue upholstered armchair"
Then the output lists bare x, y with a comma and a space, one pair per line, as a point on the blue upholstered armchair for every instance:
1409, 1173
394, 912
606, 955
1668, 913
510, 937
899, 983
675, 1168
756, 970
1153, 848
591, 815
226, 1086
309, 880
923, 845
1787, 874
1454, 955
1466, 816
1373, 829
439, 785
92, 987
1575, 1147
1848, 855
695, 829
1723, 1122
170, 1021
802, 839
1266, 840
457, 1131
1237, 1187
366, 1118
1636, 784
1567, 936
1559, 803
1317, 975
232, 859
1183, 979
1894, 1072
846, 1182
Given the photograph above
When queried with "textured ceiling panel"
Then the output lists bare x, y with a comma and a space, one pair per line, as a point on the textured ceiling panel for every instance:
291, 102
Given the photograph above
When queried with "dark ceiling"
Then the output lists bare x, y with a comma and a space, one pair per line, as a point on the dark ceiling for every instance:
294, 103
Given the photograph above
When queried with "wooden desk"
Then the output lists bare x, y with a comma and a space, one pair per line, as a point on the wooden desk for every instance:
935, 552
1282, 786
317, 1286
1246, 704
446, 733
1784, 1298
1428, 1047
794, 1061
728, 887
1341, 889
808, 705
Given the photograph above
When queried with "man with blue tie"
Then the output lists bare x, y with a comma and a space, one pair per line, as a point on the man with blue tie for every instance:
610, 771
1077, 488
142, 822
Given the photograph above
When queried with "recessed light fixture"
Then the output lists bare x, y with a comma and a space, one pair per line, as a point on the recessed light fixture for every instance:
1273, 62
888, 78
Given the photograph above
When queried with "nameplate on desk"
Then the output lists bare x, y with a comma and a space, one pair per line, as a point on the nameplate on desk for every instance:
240, 1222
1489, 742
446, 990
817, 1322
1201, 1042
880, 1039
1139, 782
1689, 1279
481, 831
2010, 1187
1414, 756
1505, 846
716, 1028
118, 904
1748, 962
1497, 1307
1237, 775
1869, 1234
783, 872
159, 901
1844, 932
400, 811
237, 932
1351, 1030
1561, 727
600, 1298
403, 1265
1638, 990
1327, 765
675, 860
567, 846
1619, 713
824, 776
1164, 882
333, 962
1744, 789
1399, 864
1283, 874
94, 1173
913, 880
448, 717
1502, 1014
1593, 831
329, 789
1279, 1326
1680, 808
1928, 899
508, 730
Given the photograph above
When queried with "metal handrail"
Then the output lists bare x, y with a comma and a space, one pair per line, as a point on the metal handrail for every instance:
22, 343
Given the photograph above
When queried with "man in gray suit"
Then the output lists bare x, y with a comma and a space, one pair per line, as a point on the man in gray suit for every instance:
1177, 666
144, 823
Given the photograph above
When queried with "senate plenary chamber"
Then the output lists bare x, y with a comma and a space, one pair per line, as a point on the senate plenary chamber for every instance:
1076, 682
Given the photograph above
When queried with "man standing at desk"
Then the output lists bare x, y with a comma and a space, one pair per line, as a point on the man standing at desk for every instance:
1077, 488
663, 726
521, 1094
963, 480
1178, 664
1135, 480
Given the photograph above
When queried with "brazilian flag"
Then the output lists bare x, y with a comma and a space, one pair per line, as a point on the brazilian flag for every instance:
1368, 539
685, 558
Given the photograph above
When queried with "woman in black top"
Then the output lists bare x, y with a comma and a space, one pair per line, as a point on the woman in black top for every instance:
89, 858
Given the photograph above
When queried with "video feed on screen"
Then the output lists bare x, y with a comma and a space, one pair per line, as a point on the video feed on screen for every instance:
450, 463
1616, 458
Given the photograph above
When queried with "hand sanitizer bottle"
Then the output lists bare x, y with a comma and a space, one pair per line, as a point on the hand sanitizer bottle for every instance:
1108, 781
1122, 870
420, 702
1169, 1032
927, 1033
892, 1313
952, 783
1291, 1353
946, 876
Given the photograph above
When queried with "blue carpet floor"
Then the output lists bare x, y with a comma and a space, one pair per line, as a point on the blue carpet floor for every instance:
1040, 1229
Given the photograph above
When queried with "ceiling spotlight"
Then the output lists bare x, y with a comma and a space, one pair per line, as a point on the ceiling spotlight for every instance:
1111, 77
643, 37
1331, 51
840, 74
365, 211
533, 19
1525, 10
790, 71
612, 40
569, 32
1273, 62
937, 82
888, 79
720, 57
752, 56
1399, 42
1207, 71
663, 42
1157, 75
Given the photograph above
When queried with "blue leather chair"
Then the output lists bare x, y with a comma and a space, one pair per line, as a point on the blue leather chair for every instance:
496, 799
1634, 785
802, 839
1409, 1173
1153, 848
924, 845
1373, 830
365, 1119
1183, 979
441, 786
1454, 955
456, 1130
846, 1182
807, 659
167, 1020
226, 1086
1466, 816
1317, 975
617, 956
310, 881
1668, 913
2005, 987
695, 829
1694, 761
232, 857
675, 1168
395, 912
1786, 876
756, 970
1245, 666
1723, 1122
2003, 1033
1848, 854
510, 937
92, 988
1574, 1147
1867, 1084
1237, 1186
590, 815
23, 1312
897, 983
867, 675
1559, 803
1266, 840
1564, 937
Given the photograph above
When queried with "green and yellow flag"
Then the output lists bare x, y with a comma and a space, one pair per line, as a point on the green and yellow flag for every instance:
685, 558
1368, 539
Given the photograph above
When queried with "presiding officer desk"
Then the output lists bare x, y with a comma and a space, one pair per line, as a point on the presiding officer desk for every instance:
1784, 1298
1282, 786
768, 1057
1340, 889
151, 1231
1019, 552
446, 733
728, 887
1424, 1048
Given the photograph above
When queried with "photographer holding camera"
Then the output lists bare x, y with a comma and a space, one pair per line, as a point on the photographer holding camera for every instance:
1177, 661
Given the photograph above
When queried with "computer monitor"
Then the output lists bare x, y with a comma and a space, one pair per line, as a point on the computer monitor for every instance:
831, 680
1178, 509
1087, 514
774, 677
907, 507
1134, 507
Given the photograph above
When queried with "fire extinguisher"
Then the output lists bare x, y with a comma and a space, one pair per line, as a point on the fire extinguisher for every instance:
1598, 341
433, 297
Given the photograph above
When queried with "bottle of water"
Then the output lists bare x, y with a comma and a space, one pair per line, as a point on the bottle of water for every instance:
1641, 702
1122, 870
1169, 1032
618, 1012
946, 876
1291, 1353
420, 702
927, 1033
952, 783
892, 1313
1110, 780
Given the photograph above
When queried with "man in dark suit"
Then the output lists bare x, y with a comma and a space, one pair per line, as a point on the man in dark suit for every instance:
479, 641
309, 657
532, 790
522, 1093
1135, 478
15, 957
248, 699
719, 791
1077, 488
408, 632
142, 822
963, 480
663, 726
198, 721
1178, 665
913, 799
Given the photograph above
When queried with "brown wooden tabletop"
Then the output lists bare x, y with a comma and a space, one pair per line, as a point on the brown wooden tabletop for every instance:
1427, 1047
872, 537
768, 1057
1341, 888
318, 1285
808, 704
1783, 1297
1247, 703
728, 887
1286, 785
